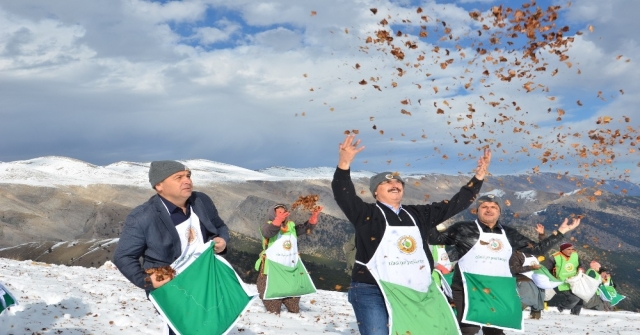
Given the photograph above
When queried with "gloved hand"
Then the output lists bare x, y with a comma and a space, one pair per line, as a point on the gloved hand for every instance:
314, 215
279, 219
442, 269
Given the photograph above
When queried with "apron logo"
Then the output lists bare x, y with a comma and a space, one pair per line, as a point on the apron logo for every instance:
286, 245
407, 244
444, 258
191, 235
569, 267
495, 245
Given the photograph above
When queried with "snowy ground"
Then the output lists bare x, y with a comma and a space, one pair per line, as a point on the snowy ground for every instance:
74, 300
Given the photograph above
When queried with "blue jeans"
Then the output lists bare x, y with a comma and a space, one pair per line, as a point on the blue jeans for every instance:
371, 312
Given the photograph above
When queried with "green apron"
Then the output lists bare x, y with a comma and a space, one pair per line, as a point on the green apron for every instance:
401, 268
490, 291
286, 275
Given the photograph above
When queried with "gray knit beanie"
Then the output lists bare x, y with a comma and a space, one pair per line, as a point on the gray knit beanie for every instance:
489, 198
160, 170
379, 178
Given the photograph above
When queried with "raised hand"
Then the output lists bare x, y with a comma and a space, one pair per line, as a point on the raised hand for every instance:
483, 164
348, 151
314, 215
540, 228
565, 227
279, 219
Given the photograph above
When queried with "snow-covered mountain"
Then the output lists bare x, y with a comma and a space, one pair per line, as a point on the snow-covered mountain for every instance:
55, 170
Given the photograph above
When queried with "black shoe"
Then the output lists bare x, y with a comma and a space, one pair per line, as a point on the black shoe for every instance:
560, 309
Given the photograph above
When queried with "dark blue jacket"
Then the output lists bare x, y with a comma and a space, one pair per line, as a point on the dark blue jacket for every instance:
149, 233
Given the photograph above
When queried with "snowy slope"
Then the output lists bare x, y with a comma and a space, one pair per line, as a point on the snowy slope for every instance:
54, 170
56, 299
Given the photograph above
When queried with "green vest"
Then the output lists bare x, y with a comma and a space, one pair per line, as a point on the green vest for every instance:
565, 268
597, 275
291, 230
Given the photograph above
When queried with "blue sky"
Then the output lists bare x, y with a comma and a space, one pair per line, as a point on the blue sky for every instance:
259, 84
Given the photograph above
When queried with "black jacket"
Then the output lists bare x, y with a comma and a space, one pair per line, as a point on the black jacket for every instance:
465, 234
369, 222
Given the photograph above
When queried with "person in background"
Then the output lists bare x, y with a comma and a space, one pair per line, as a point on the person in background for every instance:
443, 272
167, 227
530, 294
565, 264
391, 244
608, 288
278, 232
606, 277
596, 302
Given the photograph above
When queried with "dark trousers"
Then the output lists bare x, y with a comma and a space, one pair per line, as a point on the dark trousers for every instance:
465, 328
568, 300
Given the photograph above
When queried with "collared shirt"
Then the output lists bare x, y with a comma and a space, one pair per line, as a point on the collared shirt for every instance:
176, 213
397, 211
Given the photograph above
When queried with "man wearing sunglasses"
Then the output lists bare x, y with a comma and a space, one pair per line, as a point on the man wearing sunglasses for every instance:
391, 290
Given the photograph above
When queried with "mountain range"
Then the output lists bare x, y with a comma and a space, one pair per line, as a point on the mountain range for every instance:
64, 211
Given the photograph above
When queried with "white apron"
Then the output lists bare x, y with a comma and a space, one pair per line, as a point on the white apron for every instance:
402, 271
490, 291
191, 245
191, 242
440, 256
286, 274
443, 257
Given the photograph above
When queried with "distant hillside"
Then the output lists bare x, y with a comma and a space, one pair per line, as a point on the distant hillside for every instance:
48, 201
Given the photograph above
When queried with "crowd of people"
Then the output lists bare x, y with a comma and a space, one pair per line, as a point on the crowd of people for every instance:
402, 279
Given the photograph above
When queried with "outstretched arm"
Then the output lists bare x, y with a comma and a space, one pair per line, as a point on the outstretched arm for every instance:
307, 227
438, 212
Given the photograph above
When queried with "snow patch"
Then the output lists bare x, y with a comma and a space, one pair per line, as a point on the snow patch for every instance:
72, 299
526, 195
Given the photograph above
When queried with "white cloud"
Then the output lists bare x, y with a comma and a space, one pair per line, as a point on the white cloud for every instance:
210, 35
136, 86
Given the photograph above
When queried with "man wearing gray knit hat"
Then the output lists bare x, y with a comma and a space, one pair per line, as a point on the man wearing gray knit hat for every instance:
160, 170
168, 227
173, 222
